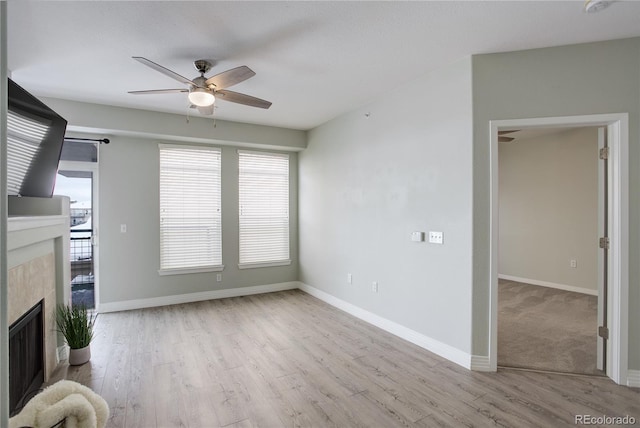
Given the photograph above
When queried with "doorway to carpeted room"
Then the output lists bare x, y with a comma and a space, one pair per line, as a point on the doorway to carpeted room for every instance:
542, 328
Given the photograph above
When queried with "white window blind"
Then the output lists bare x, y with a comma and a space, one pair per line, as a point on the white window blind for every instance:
264, 208
23, 142
190, 217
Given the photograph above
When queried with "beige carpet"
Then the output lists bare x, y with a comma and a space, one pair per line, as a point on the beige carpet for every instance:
543, 328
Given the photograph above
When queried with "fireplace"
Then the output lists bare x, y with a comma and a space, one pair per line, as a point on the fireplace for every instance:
26, 356
39, 274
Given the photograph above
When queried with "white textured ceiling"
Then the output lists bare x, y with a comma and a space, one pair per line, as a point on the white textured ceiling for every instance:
314, 60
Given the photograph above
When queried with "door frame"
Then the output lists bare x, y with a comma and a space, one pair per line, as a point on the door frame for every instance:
93, 168
602, 140
618, 277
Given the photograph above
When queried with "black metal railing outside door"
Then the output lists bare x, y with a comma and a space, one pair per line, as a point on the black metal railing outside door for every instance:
82, 279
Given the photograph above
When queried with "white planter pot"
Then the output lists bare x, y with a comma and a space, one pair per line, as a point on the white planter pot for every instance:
79, 356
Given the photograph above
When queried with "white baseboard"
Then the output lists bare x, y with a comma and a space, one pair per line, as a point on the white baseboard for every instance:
549, 284
442, 349
633, 378
194, 297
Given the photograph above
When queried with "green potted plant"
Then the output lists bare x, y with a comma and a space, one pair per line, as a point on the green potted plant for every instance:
75, 323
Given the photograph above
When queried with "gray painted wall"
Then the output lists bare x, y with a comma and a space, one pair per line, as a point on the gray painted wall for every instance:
549, 208
367, 182
582, 79
129, 194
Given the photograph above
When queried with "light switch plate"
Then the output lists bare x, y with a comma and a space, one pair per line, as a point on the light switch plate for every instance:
417, 236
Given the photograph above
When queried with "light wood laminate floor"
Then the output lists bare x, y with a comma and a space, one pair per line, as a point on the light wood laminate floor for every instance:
287, 359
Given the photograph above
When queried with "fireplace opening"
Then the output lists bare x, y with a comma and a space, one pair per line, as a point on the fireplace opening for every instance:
26, 357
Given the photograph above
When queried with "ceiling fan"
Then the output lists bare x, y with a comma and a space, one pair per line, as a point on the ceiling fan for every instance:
202, 90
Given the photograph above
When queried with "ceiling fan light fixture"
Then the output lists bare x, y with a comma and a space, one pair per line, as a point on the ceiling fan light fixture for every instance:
201, 97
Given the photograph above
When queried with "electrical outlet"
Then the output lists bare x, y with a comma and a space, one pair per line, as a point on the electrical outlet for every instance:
436, 238
573, 263
349, 278
123, 228
219, 277
374, 286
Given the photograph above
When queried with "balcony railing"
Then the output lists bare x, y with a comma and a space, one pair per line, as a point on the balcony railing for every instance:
82, 279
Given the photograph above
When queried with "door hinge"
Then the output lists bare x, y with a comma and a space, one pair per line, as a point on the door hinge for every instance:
604, 242
604, 153
603, 332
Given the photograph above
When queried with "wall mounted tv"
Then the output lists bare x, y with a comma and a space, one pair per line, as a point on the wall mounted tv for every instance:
35, 134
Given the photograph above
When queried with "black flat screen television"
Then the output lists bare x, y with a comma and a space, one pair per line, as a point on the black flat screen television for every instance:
35, 134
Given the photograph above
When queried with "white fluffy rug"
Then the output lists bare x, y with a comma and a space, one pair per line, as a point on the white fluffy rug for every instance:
78, 405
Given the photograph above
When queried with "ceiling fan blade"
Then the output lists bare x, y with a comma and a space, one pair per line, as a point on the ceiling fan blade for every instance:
158, 91
248, 100
231, 77
163, 70
507, 132
505, 139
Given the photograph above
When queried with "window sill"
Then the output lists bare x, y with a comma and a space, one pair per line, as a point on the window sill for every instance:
184, 271
263, 265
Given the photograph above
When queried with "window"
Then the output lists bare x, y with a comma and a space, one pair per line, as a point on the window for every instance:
190, 218
264, 209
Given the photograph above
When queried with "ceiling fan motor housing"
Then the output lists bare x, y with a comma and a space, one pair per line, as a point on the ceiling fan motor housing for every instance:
202, 65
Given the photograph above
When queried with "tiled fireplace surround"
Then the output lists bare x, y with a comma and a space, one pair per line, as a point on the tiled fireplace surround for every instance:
38, 264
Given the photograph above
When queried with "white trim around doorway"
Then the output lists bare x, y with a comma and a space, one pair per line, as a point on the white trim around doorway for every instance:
618, 129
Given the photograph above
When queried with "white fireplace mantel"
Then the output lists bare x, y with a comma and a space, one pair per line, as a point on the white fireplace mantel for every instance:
29, 237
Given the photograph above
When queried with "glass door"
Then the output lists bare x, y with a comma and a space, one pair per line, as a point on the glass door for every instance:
77, 179
78, 186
